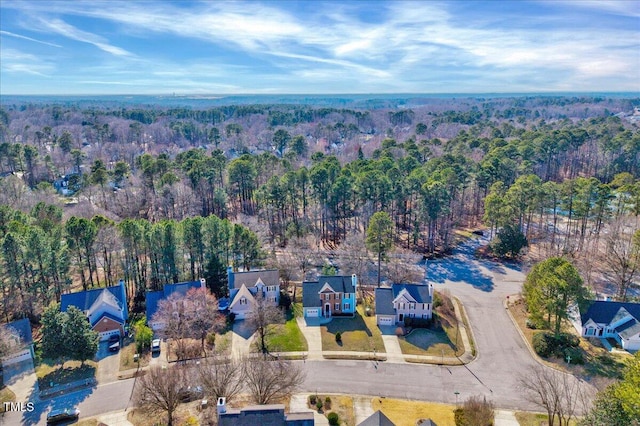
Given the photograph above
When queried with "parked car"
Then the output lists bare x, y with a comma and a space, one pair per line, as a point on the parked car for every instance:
155, 345
190, 393
114, 342
62, 415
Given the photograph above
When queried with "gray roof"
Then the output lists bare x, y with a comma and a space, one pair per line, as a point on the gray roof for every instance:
310, 298
269, 277
23, 328
628, 329
84, 299
603, 312
420, 292
384, 301
264, 415
377, 419
154, 297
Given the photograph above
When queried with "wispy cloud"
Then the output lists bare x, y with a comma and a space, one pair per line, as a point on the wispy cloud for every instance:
60, 27
10, 34
15, 61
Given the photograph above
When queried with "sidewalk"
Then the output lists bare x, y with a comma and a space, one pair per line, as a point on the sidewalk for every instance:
116, 418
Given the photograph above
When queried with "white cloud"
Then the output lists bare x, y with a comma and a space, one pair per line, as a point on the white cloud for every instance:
10, 34
60, 27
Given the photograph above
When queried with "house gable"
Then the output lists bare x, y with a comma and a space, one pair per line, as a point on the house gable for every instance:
326, 288
243, 299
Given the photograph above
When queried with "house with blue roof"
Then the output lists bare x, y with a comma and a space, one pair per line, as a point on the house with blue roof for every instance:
246, 286
20, 332
329, 296
400, 301
153, 298
105, 308
606, 319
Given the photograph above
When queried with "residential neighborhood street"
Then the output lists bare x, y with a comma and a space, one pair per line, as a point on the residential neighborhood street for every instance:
502, 356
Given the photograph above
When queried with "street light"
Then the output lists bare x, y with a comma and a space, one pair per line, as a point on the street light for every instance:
457, 393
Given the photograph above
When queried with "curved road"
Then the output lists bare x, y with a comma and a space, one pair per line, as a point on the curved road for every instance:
480, 285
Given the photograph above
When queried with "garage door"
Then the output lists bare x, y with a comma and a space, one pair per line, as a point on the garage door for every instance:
105, 334
385, 321
312, 312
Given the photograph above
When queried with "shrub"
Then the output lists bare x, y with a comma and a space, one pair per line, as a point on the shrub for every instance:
575, 355
231, 317
474, 411
334, 419
211, 339
458, 417
437, 300
319, 404
531, 325
338, 337
312, 399
540, 345
399, 331
327, 403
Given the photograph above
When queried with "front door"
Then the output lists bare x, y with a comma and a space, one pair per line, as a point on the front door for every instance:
400, 317
327, 310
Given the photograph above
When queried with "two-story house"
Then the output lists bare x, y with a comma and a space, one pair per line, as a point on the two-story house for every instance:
330, 295
244, 287
106, 308
400, 301
617, 320
153, 298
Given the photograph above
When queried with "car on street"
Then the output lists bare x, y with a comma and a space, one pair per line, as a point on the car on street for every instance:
155, 345
114, 343
62, 415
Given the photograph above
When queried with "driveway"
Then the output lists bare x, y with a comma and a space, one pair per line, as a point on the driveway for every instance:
391, 344
241, 338
310, 328
108, 364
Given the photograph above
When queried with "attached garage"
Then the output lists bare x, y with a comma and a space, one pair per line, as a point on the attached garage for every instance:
312, 312
386, 320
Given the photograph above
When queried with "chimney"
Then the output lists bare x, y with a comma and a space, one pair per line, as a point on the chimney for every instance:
221, 405
354, 282
230, 278
203, 283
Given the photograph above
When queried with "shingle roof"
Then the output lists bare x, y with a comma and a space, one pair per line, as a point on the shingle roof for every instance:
420, 292
339, 283
265, 415
83, 300
628, 329
384, 301
154, 297
269, 277
310, 298
23, 328
603, 312
377, 419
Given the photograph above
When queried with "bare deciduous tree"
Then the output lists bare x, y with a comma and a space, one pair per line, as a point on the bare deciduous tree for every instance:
188, 316
159, 390
269, 381
622, 256
560, 394
261, 316
402, 267
221, 377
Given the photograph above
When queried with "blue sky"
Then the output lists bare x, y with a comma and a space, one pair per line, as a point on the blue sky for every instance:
216, 47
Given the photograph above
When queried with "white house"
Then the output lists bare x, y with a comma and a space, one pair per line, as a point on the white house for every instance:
617, 320
244, 287
400, 301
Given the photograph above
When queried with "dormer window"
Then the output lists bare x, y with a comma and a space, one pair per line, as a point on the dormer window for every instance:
243, 301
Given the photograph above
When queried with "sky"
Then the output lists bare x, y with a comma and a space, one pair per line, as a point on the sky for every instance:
315, 47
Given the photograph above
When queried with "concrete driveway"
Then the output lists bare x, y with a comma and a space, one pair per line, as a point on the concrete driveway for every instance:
108, 364
241, 339
391, 344
310, 328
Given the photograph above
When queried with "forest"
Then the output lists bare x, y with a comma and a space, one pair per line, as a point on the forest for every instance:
92, 192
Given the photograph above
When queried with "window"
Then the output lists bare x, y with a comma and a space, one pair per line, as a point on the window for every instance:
589, 331
412, 315
327, 296
402, 305
272, 299
271, 288
412, 305
337, 307
425, 316
243, 301
338, 295
347, 306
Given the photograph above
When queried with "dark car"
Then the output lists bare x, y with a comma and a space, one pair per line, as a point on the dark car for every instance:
114, 342
190, 393
62, 415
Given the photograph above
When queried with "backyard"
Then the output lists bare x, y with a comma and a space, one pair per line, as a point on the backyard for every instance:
359, 333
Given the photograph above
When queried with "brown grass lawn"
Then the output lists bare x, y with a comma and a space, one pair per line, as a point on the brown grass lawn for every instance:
6, 395
599, 363
340, 404
68, 372
427, 342
359, 333
406, 413
535, 419
126, 357
87, 422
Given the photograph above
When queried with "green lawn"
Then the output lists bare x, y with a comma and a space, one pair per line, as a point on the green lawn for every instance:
359, 333
427, 342
6, 395
286, 337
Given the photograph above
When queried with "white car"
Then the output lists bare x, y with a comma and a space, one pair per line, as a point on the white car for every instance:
155, 345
